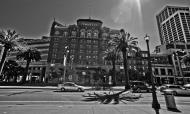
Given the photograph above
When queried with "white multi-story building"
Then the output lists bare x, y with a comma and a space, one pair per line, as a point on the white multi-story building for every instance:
174, 30
174, 24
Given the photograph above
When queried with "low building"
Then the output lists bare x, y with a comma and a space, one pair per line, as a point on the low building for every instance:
174, 52
36, 69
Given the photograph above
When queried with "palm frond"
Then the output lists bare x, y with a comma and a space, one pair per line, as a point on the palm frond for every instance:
31, 54
134, 43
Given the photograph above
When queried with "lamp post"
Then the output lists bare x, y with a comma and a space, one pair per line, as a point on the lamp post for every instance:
155, 103
65, 63
51, 68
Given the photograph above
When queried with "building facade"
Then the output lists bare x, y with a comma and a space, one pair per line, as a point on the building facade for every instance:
36, 69
79, 48
174, 24
174, 30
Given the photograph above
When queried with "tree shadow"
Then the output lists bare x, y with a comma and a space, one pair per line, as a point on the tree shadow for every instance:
114, 98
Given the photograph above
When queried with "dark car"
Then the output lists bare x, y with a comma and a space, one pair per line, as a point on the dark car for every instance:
140, 86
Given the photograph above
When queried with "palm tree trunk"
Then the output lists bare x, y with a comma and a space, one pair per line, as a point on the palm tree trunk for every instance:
114, 73
26, 71
3, 59
127, 86
15, 79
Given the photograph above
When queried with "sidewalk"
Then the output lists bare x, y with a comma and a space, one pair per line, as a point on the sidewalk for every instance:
89, 109
28, 87
116, 88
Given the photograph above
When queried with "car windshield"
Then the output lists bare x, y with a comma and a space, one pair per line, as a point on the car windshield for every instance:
68, 84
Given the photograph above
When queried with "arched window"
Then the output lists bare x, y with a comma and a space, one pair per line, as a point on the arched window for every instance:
89, 34
57, 33
104, 35
73, 34
95, 34
65, 34
82, 33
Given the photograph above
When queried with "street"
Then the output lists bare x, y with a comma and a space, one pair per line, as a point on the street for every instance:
35, 101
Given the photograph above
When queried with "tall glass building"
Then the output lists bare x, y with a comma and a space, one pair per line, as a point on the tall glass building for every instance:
174, 24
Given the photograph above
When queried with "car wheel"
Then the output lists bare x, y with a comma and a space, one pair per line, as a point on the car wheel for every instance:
80, 90
62, 89
174, 93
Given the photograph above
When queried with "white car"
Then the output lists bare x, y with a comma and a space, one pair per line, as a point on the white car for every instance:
70, 86
175, 90
187, 86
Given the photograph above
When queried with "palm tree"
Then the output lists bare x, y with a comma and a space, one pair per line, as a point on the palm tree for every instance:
125, 43
9, 40
28, 55
112, 55
12, 70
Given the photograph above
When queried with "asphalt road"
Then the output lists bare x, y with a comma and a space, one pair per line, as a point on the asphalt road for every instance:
43, 101
47, 97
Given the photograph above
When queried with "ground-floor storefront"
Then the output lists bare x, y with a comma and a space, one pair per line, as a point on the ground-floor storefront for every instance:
171, 80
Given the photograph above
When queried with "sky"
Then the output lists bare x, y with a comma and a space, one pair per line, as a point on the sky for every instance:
33, 18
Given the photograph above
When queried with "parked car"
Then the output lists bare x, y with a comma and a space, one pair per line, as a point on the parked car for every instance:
140, 86
70, 86
175, 89
167, 86
187, 86
164, 86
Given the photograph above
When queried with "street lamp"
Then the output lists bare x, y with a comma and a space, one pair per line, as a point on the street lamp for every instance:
51, 68
65, 62
155, 103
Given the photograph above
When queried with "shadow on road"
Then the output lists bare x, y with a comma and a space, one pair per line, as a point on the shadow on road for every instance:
23, 92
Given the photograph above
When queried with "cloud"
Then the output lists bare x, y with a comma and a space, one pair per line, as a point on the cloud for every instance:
122, 13
128, 14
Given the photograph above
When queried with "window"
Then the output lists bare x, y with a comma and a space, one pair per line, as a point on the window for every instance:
144, 55
96, 34
170, 72
88, 35
73, 34
104, 35
57, 32
156, 71
65, 34
163, 71
82, 33
81, 51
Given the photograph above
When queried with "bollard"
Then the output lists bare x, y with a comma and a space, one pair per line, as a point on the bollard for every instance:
170, 101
